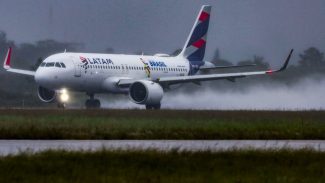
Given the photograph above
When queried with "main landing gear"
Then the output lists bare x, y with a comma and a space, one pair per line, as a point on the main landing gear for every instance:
61, 105
92, 103
153, 106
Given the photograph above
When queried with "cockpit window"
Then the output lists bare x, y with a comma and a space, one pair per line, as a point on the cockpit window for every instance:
42, 64
50, 64
62, 64
57, 64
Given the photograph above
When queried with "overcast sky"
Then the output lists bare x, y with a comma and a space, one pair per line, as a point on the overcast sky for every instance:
239, 28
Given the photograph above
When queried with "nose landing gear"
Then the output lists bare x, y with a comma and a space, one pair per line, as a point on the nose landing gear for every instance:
92, 103
61, 105
154, 106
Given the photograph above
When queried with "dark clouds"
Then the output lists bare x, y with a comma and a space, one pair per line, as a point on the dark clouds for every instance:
239, 28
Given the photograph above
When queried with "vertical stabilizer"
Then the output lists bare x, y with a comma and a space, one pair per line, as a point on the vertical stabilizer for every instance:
194, 48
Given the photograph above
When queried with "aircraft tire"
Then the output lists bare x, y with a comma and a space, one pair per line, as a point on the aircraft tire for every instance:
155, 107
61, 105
96, 104
148, 107
92, 104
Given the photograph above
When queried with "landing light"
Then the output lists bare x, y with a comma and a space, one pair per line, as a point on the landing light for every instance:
64, 97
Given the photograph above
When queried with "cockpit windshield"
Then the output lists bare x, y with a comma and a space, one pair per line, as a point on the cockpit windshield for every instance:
53, 64
57, 64
62, 64
49, 64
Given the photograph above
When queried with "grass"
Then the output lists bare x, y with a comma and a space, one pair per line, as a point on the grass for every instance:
153, 166
165, 124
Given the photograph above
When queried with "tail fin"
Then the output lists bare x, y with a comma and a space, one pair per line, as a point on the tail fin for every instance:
194, 48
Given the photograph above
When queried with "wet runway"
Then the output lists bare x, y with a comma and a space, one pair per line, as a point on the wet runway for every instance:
16, 146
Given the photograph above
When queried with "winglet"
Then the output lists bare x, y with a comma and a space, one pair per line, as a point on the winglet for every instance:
284, 65
7, 60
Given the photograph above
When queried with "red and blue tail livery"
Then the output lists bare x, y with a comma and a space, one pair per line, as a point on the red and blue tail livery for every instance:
194, 49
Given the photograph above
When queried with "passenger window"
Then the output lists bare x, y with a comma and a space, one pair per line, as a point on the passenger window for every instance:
57, 65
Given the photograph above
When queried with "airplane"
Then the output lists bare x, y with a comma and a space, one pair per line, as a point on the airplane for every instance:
144, 78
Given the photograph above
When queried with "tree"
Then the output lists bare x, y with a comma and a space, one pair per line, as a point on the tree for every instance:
217, 60
311, 57
258, 61
4, 42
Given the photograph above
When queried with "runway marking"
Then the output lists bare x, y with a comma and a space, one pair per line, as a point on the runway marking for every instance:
8, 147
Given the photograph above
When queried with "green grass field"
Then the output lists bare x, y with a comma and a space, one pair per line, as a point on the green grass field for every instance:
151, 166
164, 124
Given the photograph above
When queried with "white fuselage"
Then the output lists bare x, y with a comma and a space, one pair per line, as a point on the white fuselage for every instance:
99, 73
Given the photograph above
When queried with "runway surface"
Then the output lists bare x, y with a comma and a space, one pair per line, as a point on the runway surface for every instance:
16, 146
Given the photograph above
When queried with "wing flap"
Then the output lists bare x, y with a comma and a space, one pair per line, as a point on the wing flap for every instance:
226, 67
209, 77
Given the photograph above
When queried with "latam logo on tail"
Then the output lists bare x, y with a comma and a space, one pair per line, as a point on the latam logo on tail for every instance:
87, 61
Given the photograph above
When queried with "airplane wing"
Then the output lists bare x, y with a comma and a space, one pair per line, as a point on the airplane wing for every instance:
6, 65
225, 67
208, 77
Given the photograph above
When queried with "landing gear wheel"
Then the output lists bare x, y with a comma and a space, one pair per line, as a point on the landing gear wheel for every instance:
153, 106
97, 103
92, 104
88, 104
61, 105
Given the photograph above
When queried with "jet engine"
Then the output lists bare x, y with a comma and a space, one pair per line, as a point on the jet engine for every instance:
146, 92
46, 95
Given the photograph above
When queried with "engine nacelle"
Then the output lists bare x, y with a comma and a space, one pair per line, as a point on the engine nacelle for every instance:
46, 95
146, 92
